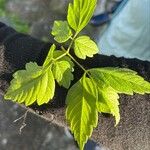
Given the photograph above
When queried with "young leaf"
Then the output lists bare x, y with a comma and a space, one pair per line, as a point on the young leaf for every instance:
80, 13
84, 46
32, 84
50, 55
81, 110
61, 31
108, 102
122, 80
62, 71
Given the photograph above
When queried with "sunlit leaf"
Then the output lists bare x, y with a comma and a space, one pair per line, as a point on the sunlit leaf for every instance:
32, 85
80, 13
81, 110
122, 80
108, 102
61, 31
62, 71
65, 58
84, 46
50, 55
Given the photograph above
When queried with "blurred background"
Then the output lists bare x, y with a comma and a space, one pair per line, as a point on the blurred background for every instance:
120, 27
36, 17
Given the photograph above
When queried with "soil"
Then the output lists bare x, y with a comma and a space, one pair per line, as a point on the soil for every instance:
133, 131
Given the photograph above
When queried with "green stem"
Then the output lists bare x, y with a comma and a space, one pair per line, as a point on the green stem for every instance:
68, 50
72, 41
68, 54
77, 63
61, 56
70, 45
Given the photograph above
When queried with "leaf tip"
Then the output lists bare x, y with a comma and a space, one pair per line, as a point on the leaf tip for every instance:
117, 118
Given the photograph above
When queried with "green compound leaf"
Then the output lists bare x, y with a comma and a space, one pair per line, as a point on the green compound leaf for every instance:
49, 56
81, 110
84, 46
108, 102
80, 13
62, 71
61, 31
122, 80
32, 84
